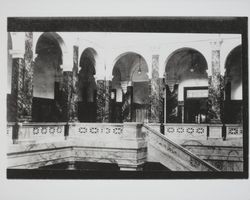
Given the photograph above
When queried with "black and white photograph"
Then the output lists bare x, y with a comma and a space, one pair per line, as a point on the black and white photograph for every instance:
140, 98
121, 102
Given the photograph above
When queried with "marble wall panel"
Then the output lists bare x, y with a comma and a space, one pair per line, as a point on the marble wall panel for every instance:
172, 104
215, 90
155, 100
127, 105
103, 100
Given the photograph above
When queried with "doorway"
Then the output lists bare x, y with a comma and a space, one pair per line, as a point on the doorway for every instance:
195, 104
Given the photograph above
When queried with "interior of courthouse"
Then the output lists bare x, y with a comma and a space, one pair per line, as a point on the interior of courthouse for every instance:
184, 86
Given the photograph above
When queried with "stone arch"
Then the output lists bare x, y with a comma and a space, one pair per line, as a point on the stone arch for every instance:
56, 38
227, 46
48, 78
233, 86
138, 59
233, 72
238, 47
87, 86
90, 55
183, 49
130, 82
9, 66
185, 69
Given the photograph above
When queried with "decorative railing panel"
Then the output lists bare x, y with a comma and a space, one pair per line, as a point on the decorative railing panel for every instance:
186, 130
234, 130
96, 129
9, 132
40, 131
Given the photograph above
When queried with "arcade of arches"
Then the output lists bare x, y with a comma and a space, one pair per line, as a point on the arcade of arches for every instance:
52, 79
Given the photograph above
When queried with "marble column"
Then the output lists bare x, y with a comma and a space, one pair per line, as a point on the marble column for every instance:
75, 87
215, 86
66, 91
22, 78
113, 106
162, 98
127, 104
155, 91
171, 102
103, 100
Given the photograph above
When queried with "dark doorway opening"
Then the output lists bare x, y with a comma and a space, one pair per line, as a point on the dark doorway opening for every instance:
195, 104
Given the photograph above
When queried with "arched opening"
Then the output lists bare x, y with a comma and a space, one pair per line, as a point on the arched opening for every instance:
9, 66
10, 112
87, 86
130, 90
47, 79
233, 86
186, 87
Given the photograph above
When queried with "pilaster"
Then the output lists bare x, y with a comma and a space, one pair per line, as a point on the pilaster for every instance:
67, 100
127, 104
22, 81
215, 86
171, 102
155, 91
103, 100
75, 86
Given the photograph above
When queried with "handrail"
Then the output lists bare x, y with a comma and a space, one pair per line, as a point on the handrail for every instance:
182, 148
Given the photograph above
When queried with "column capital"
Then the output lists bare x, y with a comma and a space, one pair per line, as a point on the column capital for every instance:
171, 83
124, 85
17, 53
216, 44
66, 68
155, 50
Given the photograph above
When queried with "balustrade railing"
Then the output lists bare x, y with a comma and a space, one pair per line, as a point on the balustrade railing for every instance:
26, 132
42, 131
191, 131
234, 130
199, 131
95, 129
9, 132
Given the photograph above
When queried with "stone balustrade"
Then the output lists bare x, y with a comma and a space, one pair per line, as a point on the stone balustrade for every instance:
95, 129
199, 131
191, 131
234, 131
40, 131
123, 144
35, 132
9, 132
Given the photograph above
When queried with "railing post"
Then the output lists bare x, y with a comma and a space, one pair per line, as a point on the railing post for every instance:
207, 131
162, 129
15, 132
66, 130
224, 132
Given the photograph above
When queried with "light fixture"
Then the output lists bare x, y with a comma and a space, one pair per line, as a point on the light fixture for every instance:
139, 70
192, 64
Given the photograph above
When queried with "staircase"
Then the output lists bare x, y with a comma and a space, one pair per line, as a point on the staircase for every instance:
173, 156
129, 145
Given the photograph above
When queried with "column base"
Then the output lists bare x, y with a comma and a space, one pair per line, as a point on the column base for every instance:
131, 168
215, 121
